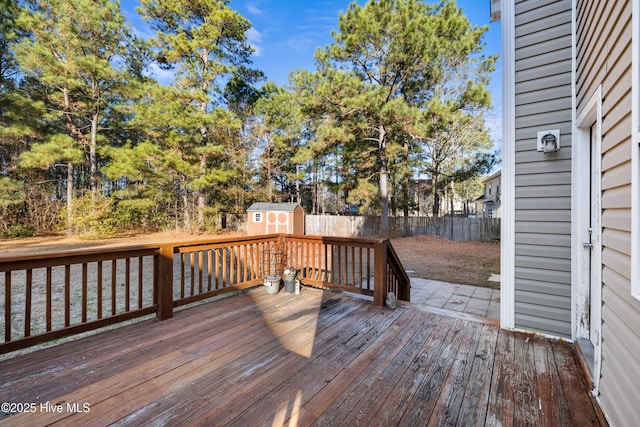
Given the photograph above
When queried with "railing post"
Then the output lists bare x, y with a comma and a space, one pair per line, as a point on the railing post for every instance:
380, 272
164, 282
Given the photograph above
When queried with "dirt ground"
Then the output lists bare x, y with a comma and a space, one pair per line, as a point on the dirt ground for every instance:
35, 245
429, 257
433, 257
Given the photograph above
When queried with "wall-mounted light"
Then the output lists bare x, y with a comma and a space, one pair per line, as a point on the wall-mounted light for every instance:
549, 141
494, 8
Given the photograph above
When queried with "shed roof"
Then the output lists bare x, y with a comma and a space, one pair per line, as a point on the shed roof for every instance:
280, 207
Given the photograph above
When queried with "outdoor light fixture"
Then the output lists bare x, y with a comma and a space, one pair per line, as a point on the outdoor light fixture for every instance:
494, 8
549, 141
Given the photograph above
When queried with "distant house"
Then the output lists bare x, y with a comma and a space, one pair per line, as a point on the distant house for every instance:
488, 205
421, 191
570, 264
270, 218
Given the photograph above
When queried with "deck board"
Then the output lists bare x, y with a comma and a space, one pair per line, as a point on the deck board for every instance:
473, 410
320, 358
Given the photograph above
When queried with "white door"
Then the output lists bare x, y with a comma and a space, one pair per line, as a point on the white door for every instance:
593, 245
586, 219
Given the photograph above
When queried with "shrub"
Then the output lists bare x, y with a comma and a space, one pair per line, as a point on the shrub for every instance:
93, 219
18, 230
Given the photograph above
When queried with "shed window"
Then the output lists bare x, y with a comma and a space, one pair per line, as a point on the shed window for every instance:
257, 217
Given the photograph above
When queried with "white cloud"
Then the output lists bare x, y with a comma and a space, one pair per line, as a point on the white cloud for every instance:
301, 43
164, 77
254, 8
306, 41
255, 39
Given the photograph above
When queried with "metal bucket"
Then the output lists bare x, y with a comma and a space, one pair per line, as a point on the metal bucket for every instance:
272, 283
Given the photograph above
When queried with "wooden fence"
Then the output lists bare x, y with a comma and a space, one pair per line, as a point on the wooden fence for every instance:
452, 228
50, 296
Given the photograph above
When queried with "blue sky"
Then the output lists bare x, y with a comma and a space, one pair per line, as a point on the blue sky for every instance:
287, 33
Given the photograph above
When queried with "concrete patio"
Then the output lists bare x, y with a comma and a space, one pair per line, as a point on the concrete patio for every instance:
466, 299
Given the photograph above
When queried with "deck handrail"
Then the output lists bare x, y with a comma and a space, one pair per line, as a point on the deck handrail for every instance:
83, 290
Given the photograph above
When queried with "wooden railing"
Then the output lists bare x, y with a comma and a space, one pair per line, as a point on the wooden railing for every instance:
50, 296
46, 297
212, 268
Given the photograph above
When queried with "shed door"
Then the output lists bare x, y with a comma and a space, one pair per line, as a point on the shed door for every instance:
277, 222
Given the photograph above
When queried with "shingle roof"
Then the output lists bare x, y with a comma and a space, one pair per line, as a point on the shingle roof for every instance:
280, 207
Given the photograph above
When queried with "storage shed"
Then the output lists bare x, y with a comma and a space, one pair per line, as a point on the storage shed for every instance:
271, 218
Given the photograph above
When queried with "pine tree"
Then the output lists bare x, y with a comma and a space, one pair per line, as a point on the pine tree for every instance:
375, 84
204, 40
71, 52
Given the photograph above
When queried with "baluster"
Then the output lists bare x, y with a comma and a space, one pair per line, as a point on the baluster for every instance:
84, 293
67, 295
360, 267
140, 279
225, 258
48, 299
209, 268
99, 302
192, 261
182, 284
127, 285
114, 274
218, 258
353, 266
246, 264
232, 269
27, 303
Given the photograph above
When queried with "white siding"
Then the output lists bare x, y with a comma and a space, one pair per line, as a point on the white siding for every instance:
543, 182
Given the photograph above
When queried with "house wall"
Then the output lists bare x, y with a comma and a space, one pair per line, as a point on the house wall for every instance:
491, 206
543, 101
603, 57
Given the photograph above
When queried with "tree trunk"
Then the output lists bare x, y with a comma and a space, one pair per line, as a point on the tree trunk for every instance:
69, 196
405, 181
186, 207
314, 189
384, 200
93, 160
435, 210
71, 128
405, 196
202, 189
269, 186
298, 185
452, 196
202, 193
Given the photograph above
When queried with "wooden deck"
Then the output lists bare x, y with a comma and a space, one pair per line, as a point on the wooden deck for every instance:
319, 358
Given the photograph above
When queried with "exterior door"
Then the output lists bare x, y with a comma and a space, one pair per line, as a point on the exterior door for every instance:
593, 245
586, 230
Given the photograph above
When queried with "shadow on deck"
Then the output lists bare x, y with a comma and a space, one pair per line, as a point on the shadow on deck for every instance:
318, 358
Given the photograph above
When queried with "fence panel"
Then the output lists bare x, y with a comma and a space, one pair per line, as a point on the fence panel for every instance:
452, 228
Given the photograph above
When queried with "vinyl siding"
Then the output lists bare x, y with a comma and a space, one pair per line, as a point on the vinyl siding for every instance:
604, 58
543, 182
